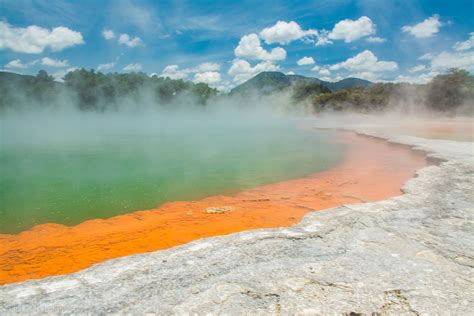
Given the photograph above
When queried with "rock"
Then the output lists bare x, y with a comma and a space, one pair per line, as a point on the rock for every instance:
411, 254
217, 210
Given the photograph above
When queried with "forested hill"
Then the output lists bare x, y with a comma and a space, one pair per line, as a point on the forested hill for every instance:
95, 91
271, 81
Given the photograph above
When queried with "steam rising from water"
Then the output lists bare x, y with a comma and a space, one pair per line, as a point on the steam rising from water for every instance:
66, 166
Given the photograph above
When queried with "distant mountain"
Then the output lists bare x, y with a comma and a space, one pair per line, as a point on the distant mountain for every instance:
270, 81
12, 79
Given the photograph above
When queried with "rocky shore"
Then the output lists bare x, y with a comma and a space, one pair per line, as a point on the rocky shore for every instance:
411, 254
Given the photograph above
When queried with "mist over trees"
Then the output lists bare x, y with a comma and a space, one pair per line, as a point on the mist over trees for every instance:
88, 90
452, 92
94, 91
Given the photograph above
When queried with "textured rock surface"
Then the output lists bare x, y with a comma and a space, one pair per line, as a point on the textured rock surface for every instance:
411, 254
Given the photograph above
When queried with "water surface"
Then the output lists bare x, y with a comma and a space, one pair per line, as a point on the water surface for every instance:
67, 170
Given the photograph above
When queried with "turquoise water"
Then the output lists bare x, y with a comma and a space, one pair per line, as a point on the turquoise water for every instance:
66, 170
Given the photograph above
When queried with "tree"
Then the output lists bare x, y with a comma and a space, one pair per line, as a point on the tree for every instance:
451, 90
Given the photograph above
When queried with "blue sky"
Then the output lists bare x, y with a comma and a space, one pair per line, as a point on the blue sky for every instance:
224, 43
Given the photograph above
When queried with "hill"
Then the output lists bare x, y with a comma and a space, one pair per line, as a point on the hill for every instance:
270, 81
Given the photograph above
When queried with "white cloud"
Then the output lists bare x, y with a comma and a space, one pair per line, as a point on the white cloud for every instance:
418, 79
105, 66
290, 73
365, 61
209, 77
16, 64
376, 39
425, 29
324, 72
173, 72
417, 68
46, 61
108, 34
446, 60
250, 47
133, 67
323, 38
204, 67
225, 86
439, 63
466, 45
285, 32
34, 39
241, 69
305, 61
316, 68
58, 75
351, 30
125, 39
427, 56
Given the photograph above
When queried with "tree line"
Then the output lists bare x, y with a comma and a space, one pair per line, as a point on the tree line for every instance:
95, 91
450, 92
89, 90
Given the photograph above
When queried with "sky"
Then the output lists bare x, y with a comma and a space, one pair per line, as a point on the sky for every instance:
224, 43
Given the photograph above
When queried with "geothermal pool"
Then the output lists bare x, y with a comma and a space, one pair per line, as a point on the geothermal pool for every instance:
70, 169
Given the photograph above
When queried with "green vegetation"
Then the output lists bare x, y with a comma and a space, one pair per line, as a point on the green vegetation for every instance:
307, 90
450, 92
95, 91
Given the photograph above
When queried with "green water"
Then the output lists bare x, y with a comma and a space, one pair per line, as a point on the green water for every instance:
66, 172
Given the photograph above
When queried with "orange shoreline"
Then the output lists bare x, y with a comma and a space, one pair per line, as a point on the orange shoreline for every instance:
372, 170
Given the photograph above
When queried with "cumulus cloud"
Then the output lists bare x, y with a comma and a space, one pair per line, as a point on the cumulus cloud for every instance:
418, 78
425, 29
250, 47
427, 56
443, 61
365, 61
417, 68
108, 34
466, 45
352, 30
204, 67
105, 66
241, 70
209, 77
376, 39
364, 65
173, 72
316, 68
46, 61
133, 67
34, 39
125, 39
447, 60
16, 63
285, 32
59, 75
324, 72
305, 61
